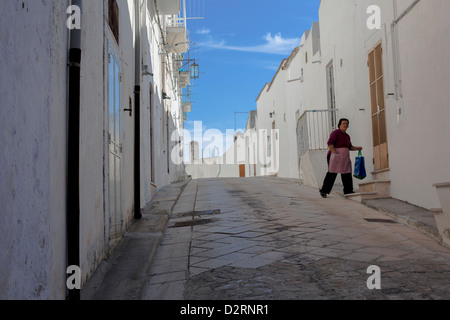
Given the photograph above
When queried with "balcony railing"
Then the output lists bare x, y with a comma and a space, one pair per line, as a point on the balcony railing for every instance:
176, 32
187, 94
313, 130
175, 22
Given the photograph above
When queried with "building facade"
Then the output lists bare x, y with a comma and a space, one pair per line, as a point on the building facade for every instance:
91, 110
383, 65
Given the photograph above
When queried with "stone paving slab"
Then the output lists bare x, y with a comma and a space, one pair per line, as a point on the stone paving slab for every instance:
123, 275
279, 240
417, 217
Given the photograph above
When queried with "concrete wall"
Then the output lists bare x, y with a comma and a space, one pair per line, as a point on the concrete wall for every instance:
92, 96
96, 241
33, 134
225, 166
271, 106
296, 87
418, 136
313, 167
212, 170
33, 116
313, 86
340, 24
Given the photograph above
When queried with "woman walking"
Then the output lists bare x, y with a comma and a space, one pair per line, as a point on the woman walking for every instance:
338, 158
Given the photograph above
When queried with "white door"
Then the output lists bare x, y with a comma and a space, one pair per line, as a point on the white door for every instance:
115, 146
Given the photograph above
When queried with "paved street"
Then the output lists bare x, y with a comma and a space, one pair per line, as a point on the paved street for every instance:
273, 239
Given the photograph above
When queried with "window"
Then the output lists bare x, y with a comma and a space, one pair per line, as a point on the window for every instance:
113, 18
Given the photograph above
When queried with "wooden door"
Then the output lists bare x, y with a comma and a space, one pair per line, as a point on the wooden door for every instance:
378, 111
242, 171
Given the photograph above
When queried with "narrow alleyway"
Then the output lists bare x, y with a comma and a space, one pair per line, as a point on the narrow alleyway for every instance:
275, 239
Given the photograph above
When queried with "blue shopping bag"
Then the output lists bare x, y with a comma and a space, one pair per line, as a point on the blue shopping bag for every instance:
360, 167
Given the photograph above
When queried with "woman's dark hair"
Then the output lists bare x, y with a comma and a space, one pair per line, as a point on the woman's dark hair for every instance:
342, 120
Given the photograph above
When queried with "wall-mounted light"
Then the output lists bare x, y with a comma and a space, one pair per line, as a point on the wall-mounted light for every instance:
177, 44
194, 71
180, 43
146, 71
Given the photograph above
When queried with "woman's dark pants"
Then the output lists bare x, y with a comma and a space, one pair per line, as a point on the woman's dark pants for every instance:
330, 178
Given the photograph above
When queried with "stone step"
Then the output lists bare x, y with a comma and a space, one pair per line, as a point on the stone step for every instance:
382, 174
382, 187
359, 196
442, 216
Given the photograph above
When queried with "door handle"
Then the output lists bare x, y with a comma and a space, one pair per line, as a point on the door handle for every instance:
130, 108
130, 111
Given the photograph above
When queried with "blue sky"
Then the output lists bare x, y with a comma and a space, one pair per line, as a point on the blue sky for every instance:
239, 45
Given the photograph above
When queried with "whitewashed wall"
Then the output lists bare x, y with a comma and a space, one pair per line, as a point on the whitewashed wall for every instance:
423, 59
92, 97
272, 100
33, 134
32, 162
338, 27
419, 135
345, 41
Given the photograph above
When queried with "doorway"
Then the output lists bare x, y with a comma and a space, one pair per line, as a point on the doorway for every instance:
274, 145
114, 145
242, 171
378, 111
152, 160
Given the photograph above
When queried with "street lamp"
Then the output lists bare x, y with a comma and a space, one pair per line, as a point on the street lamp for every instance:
194, 71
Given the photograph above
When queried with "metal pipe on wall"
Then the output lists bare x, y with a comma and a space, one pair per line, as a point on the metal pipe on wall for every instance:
137, 111
73, 152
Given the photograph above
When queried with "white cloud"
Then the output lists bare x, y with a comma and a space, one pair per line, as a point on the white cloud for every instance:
274, 45
203, 31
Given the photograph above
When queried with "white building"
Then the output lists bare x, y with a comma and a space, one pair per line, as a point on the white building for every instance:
130, 86
385, 67
287, 104
379, 85
231, 163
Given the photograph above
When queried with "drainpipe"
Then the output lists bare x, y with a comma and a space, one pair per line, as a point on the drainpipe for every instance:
73, 153
137, 118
